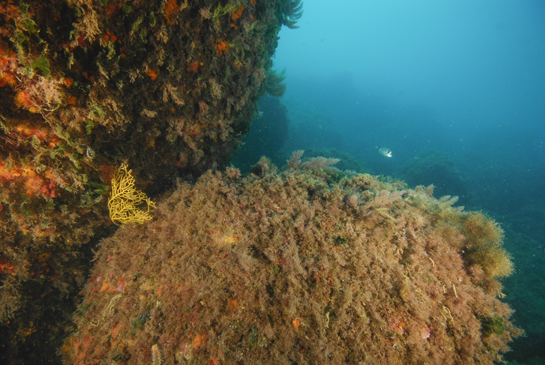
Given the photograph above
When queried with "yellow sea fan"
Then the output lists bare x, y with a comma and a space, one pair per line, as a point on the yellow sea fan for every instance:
125, 201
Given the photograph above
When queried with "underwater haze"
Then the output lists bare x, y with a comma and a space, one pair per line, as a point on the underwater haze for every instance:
456, 90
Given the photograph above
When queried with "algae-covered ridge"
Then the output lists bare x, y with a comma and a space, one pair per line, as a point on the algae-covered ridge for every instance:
308, 265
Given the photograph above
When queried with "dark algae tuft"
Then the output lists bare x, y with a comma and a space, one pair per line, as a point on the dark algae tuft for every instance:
492, 325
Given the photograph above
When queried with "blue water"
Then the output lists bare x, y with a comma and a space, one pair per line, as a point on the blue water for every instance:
459, 81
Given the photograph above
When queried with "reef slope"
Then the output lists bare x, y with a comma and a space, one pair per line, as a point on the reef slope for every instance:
304, 266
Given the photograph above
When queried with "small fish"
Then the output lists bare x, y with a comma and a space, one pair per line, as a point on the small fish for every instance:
384, 151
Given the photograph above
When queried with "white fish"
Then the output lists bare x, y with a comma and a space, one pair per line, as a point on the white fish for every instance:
384, 151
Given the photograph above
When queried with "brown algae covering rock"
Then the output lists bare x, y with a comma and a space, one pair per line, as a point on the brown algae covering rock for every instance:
307, 266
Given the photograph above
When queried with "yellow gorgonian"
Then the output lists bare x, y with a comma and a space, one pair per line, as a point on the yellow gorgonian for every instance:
125, 202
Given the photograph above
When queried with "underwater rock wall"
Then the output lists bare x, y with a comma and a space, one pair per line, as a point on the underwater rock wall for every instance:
169, 87
303, 266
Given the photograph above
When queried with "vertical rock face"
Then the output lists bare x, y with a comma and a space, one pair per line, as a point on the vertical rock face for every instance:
167, 86
305, 266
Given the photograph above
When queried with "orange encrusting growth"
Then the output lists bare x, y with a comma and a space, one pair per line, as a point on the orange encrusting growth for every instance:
5, 267
221, 46
238, 13
192, 66
8, 65
109, 36
113, 8
31, 180
171, 8
24, 100
152, 74
198, 341
68, 82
